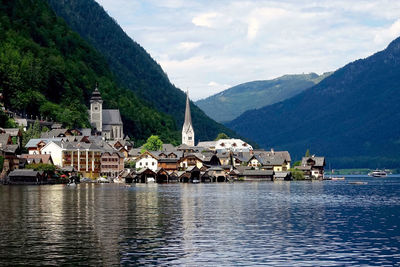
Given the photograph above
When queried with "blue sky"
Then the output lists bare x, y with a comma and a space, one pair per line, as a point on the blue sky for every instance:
210, 45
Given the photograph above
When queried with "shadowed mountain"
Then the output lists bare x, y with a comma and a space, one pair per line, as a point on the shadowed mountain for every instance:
351, 116
134, 68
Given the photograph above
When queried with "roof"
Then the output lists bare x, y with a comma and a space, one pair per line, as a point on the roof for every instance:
53, 133
215, 169
96, 96
4, 139
33, 142
319, 161
44, 158
258, 172
135, 152
168, 147
168, 160
23, 172
10, 148
12, 131
207, 144
111, 117
187, 125
281, 174
283, 154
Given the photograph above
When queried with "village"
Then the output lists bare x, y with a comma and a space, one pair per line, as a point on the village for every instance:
103, 154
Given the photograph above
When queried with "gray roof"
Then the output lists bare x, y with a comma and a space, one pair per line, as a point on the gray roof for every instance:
135, 152
258, 172
10, 148
168, 147
281, 174
187, 125
53, 133
168, 160
4, 139
12, 131
33, 142
23, 172
86, 131
111, 117
319, 161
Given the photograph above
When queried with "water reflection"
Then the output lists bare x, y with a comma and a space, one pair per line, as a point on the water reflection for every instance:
282, 223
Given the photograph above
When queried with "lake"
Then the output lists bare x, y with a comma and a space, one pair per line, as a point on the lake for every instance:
322, 223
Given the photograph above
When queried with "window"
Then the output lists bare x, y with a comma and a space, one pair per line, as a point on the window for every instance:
152, 163
189, 138
140, 164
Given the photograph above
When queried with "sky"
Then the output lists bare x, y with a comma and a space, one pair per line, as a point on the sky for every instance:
208, 46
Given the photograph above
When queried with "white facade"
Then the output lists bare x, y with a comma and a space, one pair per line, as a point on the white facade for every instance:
235, 145
147, 161
55, 151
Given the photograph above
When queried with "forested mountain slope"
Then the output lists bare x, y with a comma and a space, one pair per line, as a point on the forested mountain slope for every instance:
351, 116
132, 65
230, 103
47, 69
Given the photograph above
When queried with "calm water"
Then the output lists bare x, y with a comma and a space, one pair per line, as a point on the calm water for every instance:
282, 223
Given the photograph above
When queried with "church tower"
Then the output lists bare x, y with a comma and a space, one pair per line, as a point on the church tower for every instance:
96, 110
187, 130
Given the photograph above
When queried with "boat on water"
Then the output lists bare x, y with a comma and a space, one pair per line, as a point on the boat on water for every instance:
377, 173
357, 182
338, 178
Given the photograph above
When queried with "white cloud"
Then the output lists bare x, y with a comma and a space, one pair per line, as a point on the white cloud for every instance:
207, 45
187, 46
386, 35
205, 20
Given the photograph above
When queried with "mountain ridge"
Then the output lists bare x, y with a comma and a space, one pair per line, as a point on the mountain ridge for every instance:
232, 102
133, 67
351, 116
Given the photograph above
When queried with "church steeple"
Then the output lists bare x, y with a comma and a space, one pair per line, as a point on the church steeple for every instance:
187, 129
96, 110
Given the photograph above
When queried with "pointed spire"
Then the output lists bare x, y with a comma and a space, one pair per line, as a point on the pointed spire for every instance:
96, 94
188, 117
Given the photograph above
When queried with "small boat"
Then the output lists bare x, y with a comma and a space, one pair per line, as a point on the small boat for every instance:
358, 182
338, 178
196, 181
377, 173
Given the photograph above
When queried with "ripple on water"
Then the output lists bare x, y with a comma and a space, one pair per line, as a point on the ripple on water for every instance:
279, 224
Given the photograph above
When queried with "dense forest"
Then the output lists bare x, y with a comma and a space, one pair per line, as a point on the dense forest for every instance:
47, 69
351, 116
231, 103
132, 65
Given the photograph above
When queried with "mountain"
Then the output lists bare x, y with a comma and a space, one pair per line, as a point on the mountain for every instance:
352, 116
47, 70
230, 103
132, 65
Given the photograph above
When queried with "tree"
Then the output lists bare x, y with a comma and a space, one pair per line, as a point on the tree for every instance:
297, 174
308, 153
297, 163
153, 143
221, 136
41, 167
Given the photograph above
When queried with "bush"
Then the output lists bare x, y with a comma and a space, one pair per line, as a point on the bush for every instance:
297, 174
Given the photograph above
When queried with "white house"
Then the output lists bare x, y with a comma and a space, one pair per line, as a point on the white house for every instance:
147, 160
55, 149
234, 145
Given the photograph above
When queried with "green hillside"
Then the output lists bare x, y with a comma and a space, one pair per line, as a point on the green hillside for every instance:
352, 116
229, 104
47, 69
132, 65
